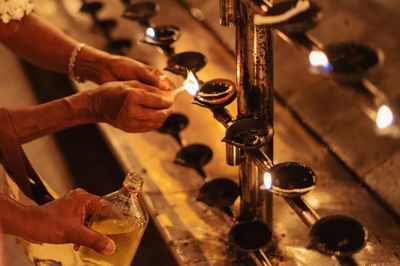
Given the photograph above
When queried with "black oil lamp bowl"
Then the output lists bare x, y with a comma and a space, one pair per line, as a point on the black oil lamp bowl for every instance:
194, 156
162, 36
181, 63
338, 235
250, 235
106, 26
173, 125
248, 133
216, 93
292, 179
141, 12
300, 23
352, 60
91, 8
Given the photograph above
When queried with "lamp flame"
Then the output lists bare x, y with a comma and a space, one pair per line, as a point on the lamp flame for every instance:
318, 59
191, 84
151, 32
267, 181
384, 117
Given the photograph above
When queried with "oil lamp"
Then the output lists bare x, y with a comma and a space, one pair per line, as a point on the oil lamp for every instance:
181, 63
162, 36
173, 125
336, 235
292, 20
141, 12
194, 156
91, 8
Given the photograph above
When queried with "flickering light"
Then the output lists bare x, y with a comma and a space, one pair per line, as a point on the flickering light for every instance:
319, 60
267, 181
150, 32
191, 84
384, 117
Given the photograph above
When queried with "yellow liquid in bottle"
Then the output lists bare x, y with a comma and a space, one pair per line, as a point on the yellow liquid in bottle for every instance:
126, 235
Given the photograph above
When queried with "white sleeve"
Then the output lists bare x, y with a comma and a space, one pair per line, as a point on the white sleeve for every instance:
14, 9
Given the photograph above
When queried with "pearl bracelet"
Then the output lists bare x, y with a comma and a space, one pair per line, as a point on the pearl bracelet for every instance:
72, 60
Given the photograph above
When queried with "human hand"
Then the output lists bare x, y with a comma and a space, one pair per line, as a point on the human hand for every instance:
62, 221
131, 105
123, 68
102, 67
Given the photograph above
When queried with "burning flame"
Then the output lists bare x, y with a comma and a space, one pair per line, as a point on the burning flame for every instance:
319, 60
191, 84
384, 117
151, 32
267, 181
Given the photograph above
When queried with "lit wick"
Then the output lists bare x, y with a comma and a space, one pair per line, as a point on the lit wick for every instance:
267, 182
191, 84
150, 32
384, 117
319, 61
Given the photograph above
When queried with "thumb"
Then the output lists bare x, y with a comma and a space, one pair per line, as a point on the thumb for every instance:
95, 241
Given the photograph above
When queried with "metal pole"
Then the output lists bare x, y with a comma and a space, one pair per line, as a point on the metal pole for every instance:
255, 99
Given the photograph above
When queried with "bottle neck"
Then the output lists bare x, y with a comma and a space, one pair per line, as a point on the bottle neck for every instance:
133, 183
130, 190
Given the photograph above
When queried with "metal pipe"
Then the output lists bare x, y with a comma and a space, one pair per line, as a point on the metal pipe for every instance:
255, 99
227, 12
260, 258
303, 210
233, 153
223, 116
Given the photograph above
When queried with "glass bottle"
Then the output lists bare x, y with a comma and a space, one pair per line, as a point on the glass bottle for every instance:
123, 218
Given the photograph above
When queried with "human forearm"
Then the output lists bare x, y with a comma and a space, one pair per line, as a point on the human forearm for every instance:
42, 44
33, 122
13, 217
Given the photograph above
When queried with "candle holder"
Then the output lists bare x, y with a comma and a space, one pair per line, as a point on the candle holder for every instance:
173, 125
162, 36
181, 63
141, 12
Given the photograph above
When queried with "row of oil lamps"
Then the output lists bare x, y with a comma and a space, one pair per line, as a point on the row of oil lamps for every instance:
348, 62
336, 235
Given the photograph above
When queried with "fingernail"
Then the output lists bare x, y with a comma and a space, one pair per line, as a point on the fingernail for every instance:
163, 76
110, 248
